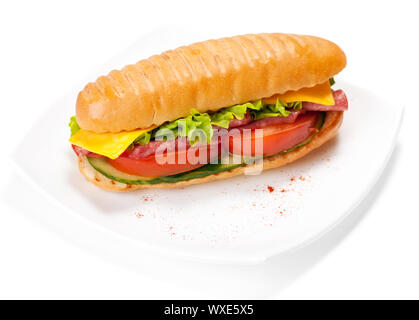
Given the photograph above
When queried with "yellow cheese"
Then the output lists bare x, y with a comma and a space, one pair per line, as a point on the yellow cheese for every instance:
111, 145
321, 94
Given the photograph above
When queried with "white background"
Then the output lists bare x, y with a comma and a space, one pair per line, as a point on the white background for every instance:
47, 47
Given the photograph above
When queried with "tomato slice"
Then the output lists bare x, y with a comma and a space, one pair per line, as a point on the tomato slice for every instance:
275, 138
169, 163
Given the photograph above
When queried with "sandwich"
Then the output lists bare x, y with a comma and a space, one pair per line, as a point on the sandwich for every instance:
209, 111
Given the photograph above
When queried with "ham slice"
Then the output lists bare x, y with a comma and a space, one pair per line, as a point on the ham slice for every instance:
81, 152
272, 121
236, 122
140, 151
341, 103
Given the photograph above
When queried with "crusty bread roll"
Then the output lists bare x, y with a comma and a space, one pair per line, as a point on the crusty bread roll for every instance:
208, 76
329, 129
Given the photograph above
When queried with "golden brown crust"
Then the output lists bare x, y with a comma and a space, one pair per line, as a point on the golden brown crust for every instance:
330, 127
208, 76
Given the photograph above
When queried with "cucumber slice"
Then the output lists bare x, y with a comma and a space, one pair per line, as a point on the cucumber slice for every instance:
102, 165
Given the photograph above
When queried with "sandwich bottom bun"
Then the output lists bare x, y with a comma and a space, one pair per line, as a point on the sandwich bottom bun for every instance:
329, 129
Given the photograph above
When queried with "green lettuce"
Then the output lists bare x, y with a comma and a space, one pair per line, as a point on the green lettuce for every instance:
197, 127
143, 139
272, 110
223, 117
74, 126
298, 105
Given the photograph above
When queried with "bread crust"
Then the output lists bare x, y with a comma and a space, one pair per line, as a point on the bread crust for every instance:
208, 76
329, 129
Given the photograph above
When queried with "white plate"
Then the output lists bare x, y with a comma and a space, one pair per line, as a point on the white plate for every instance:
236, 220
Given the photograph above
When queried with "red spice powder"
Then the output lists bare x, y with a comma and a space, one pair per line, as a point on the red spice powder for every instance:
283, 190
292, 179
139, 215
271, 189
147, 198
172, 233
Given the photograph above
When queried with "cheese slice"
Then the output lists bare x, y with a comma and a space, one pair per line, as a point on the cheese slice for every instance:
110, 145
321, 94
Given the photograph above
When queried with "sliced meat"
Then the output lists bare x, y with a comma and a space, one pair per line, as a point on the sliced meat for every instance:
273, 120
140, 151
236, 122
341, 103
80, 152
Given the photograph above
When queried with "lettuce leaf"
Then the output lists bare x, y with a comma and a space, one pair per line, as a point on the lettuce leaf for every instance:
272, 110
197, 127
143, 139
223, 117
298, 105
74, 126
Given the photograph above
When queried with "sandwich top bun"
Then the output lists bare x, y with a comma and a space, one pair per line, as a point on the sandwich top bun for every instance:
207, 76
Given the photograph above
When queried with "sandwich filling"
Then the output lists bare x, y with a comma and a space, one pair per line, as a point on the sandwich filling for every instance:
197, 145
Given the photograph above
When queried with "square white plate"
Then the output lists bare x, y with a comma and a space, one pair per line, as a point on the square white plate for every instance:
241, 220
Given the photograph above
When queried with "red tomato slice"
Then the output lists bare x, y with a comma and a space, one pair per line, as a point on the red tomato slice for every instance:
275, 138
151, 166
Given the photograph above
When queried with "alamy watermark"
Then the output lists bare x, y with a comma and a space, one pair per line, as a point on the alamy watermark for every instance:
234, 146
